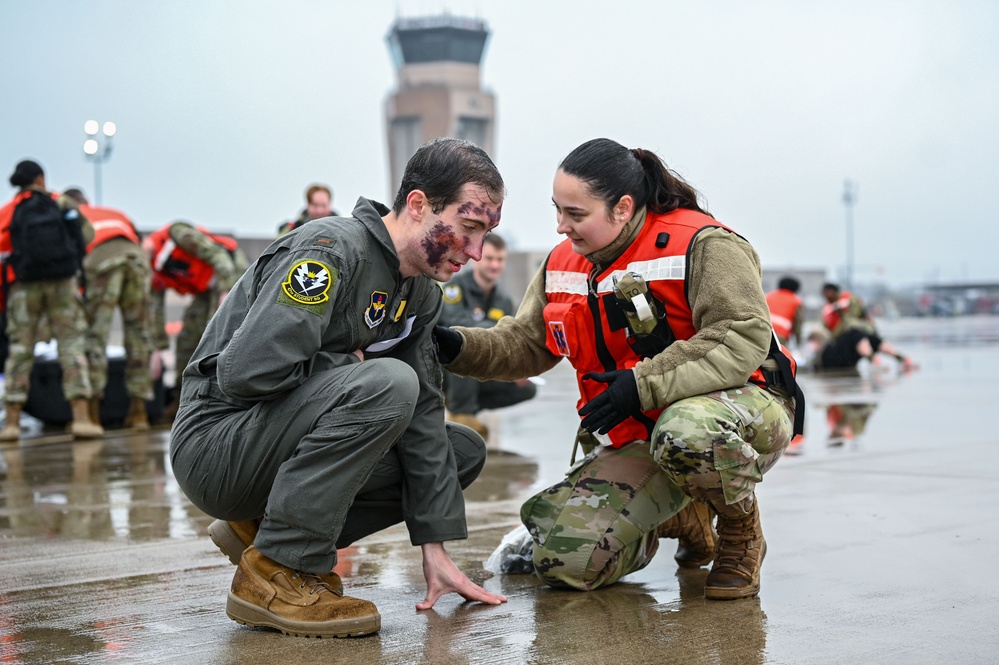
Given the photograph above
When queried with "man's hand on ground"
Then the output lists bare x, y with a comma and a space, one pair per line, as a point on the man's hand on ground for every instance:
443, 577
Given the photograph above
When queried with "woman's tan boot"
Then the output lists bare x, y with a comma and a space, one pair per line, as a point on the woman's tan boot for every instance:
12, 428
137, 416
82, 426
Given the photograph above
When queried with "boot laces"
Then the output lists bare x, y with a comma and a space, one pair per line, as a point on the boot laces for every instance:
315, 582
735, 535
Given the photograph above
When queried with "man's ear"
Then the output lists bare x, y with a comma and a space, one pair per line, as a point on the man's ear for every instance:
417, 204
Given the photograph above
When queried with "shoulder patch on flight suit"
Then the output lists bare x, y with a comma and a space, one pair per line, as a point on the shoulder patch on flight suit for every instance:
308, 286
452, 294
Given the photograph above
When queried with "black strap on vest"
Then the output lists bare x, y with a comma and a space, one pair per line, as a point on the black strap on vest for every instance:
784, 378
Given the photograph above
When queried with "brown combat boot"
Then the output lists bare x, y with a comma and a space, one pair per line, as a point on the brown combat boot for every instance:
692, 527
265, 593
12, 427
82, 426
137, 417
741, 548
233, 537
469, 420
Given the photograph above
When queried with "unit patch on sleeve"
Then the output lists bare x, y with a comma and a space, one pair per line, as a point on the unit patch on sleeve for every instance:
452, 294
375, 313
308, 286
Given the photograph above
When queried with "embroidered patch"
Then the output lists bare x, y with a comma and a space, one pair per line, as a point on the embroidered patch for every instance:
558, 334
399, 310
495, 314
478, 314
308, 283
452, 294
375, 313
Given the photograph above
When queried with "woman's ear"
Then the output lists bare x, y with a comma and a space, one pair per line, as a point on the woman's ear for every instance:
624, 208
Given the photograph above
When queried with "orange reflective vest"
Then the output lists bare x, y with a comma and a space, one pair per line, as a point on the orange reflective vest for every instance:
108, 223
176, 268
585, 324
832, 311
784, 306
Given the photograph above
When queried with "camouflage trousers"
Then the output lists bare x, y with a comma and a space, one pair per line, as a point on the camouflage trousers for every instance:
60, 301
123, 285
599, 523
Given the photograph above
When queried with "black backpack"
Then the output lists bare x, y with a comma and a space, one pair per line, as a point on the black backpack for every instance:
46, 241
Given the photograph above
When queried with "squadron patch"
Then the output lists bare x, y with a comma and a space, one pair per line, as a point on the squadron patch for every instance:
308, 286
452, 294
375, 313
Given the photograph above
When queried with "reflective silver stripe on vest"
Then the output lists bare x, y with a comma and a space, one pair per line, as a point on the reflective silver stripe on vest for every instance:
102, 224
164, 254
653, 270
561, 281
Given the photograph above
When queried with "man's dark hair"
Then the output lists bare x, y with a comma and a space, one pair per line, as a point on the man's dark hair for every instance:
830, 286
442, 167
789, 283
76, 194
495, 240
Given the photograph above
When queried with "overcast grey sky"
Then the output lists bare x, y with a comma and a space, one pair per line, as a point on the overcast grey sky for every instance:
227, 109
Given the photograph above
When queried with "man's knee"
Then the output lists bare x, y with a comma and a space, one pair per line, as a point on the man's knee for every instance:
469, 452
391, 377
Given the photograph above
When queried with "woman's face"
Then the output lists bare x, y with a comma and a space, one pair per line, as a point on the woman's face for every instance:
582, 218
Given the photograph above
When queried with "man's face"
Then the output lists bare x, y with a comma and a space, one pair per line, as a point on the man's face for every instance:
319, 205
446, 241
830, 294
489, 268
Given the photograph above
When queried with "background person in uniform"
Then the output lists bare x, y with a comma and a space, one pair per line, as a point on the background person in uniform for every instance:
785, 308
684, 393
318, 204
852, 333
192, 261
474, 298
53, 291
312, 413
118, 275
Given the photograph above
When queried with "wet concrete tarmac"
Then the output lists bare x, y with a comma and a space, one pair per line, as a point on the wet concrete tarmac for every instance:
881, 525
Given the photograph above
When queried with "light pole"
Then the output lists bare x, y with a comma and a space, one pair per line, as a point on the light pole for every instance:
849, 198
97, 148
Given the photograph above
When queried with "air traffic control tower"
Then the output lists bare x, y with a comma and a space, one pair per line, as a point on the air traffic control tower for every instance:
439, 92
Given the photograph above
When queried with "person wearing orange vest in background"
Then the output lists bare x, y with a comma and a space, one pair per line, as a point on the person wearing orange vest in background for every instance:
192, 261
686, 397
854, 335
55, 294
118, 277
785, 310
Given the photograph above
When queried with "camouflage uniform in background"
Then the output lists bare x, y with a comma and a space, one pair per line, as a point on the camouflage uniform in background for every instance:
118, 277
60, 302
600, 522
228, 267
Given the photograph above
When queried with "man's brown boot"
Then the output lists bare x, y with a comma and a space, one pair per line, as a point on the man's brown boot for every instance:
469, 420
12, 427
233, 537
692, 527
137, 417
82, 426
741, 548
265, 593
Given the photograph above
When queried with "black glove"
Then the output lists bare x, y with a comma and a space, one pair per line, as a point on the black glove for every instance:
448, 343
614, 405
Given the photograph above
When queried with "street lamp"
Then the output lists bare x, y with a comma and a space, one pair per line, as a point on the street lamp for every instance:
97, 148
849, 198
